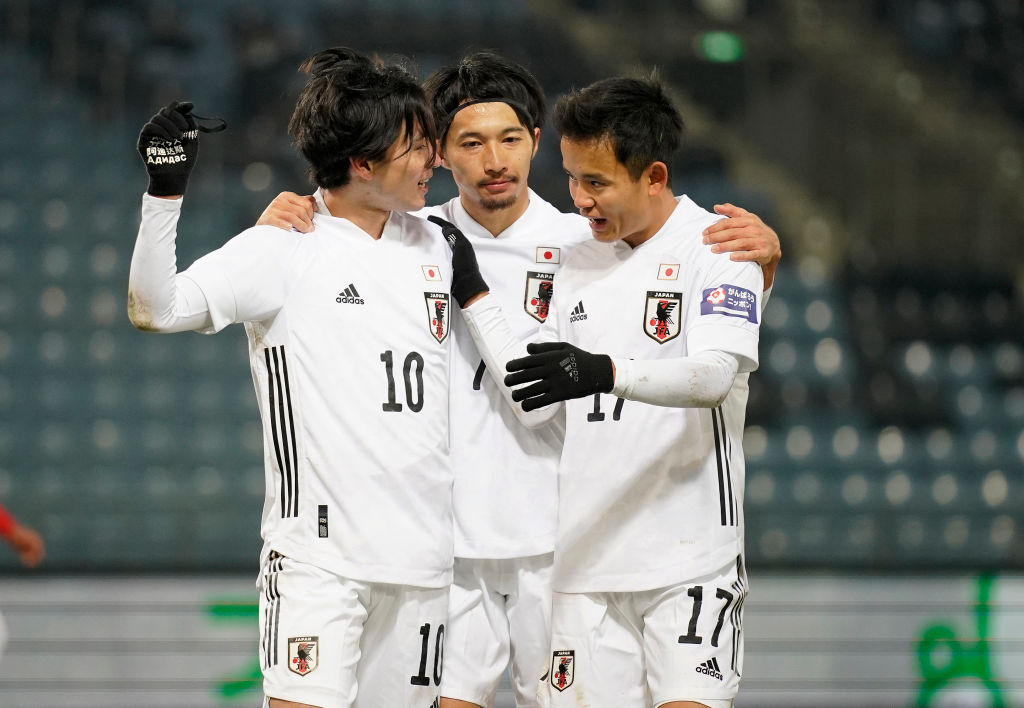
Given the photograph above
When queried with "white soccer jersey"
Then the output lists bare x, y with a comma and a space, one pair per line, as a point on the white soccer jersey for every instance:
505, 473
651, 496
349, 349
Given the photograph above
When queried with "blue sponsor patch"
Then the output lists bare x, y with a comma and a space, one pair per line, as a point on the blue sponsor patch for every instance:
731, 301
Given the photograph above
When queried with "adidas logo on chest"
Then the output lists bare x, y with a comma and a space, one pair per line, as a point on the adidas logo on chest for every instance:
578, 313
350, 296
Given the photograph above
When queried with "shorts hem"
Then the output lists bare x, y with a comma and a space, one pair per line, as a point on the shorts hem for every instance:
310, 696
698, 697
468, 695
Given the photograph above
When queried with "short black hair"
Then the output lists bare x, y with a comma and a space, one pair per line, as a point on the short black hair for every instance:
354, 106
635, 115
484, 75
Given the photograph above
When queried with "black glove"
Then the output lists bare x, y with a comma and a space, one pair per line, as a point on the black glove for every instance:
467, 282
561, 371
169, 145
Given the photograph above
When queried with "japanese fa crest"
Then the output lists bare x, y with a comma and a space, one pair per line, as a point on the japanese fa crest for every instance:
538, 294
303, 656
661, 316
437, 314
563, 668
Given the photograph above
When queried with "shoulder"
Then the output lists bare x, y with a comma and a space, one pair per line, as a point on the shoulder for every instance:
267, 239
567, 229
417, 231
588, 253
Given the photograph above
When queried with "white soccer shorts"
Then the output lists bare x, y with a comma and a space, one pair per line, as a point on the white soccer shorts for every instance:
330, 641
499, 616
680, 643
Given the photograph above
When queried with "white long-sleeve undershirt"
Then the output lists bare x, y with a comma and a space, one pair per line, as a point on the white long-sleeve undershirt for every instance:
159, 298
699, 381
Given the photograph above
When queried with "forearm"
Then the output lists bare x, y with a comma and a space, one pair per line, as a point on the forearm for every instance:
699, 381
159, 298
498, 345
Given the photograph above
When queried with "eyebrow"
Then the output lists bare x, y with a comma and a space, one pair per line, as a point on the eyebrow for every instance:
587, 175
477, 134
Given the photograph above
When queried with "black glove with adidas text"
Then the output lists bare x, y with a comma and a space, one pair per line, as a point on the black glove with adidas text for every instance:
467, 282
559, 371
169, 145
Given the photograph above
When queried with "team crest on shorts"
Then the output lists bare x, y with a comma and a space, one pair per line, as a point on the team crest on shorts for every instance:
303, 655
563, 668
437, 314
661, 316
539, 287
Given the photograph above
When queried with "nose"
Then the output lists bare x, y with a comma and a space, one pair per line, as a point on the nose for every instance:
492, 159
580, 198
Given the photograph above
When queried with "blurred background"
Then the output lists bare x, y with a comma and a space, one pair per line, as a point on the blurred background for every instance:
882, 139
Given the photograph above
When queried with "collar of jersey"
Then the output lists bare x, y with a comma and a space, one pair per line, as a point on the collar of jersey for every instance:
472, 227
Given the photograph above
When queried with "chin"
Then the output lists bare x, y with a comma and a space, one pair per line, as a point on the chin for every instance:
498, 204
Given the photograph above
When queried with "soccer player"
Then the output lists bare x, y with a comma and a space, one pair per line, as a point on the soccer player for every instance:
490, 111
349, 343
648, 576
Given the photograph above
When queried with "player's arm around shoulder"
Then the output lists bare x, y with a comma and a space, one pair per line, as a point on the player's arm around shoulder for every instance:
289, 211
745, 237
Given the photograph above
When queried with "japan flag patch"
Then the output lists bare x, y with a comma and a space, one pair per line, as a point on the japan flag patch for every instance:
546, 254
431, 272
668, 271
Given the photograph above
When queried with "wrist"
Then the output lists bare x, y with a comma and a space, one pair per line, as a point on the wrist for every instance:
606, 374
623, 377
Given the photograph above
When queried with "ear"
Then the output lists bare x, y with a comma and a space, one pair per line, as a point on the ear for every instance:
440, 154
657, 178
536, 142
361, 167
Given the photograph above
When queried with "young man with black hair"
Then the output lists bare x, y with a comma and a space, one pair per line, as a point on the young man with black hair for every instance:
490, 111
648, 577
349, 348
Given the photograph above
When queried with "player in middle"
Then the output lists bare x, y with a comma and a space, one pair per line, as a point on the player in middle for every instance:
489, 112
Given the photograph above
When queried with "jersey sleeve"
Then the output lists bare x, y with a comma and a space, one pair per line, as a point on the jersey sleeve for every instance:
498, 345
725, 310
700, 380
245, 280
159, 298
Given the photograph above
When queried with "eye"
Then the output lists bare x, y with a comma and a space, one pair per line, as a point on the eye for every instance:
470, 144
513, 139
594, 183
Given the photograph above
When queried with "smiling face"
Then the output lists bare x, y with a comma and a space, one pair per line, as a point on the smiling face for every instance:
488, 151
617, 206
400, 177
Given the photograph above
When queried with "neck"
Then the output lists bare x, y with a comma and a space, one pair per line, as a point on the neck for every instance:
662, 206
346, 203
496, 220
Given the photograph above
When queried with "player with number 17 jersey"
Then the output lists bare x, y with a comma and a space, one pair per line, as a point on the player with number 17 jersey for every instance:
347, 333
667, 507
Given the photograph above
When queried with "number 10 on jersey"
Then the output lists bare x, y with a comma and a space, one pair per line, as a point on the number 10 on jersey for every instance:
411, 369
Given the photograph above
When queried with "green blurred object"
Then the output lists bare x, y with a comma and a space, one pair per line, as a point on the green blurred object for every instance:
720, 47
